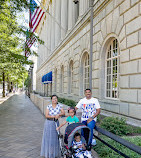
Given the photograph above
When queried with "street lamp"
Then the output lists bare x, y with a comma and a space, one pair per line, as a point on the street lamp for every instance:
32, 66
91, 40
75, 1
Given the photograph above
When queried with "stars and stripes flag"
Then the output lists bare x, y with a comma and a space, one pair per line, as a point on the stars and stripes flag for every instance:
30, 39
27, 52
36, 14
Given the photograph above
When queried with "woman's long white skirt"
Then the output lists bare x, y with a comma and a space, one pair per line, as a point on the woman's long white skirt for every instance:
50, 142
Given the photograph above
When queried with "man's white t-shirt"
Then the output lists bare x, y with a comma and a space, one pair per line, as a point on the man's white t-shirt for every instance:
88, 107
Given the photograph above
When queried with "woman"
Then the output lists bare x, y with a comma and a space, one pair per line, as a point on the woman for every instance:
50, 143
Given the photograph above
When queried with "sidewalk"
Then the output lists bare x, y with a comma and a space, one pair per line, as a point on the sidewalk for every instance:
21, 128
2, 99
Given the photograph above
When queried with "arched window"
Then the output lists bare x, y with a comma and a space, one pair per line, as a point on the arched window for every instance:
70, 77
62, 80
112, 69
55, 86
86, 67
84, 72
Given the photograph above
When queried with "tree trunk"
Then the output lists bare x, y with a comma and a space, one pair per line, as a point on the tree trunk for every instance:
11, 86
8, 86
3, 78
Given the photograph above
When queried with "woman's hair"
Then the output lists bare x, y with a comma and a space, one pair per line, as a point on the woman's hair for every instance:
72, 108
77, 134
54, 96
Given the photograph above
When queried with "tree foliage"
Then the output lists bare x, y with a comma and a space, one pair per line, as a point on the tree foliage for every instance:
14, 5
12, 60
27, 82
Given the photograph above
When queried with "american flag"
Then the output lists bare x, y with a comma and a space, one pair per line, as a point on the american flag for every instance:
36, 14
27, 51
30, 39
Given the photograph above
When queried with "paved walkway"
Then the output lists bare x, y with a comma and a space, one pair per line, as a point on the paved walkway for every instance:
3, 99
21, 126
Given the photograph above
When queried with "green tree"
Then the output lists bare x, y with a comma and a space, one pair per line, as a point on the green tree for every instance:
27, 82
11, 60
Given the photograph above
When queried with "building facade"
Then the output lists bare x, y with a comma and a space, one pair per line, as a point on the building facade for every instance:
116, 73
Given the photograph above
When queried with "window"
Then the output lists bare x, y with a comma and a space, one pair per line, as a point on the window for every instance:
86, 71
71, 77
62, 79
112, 69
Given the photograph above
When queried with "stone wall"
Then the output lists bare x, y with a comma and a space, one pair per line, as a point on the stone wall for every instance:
119, 19
40, 102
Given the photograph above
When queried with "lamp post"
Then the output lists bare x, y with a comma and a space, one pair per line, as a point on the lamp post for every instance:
91, 40
28, 91
91, 43
31, 77
31, 67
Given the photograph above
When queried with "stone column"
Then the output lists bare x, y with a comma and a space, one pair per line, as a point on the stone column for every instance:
41, 49
70, 14
87, 4
64, 17
45, 44
53, 26
82, 7
57, 22
47, 37
49, 28
75, 12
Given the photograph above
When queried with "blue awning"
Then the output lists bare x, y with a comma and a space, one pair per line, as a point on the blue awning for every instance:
48, 78
43, 78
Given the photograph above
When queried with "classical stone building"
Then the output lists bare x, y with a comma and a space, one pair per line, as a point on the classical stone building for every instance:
116, 74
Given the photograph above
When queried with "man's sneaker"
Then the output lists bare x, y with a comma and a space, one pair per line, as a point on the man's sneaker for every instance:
93, 142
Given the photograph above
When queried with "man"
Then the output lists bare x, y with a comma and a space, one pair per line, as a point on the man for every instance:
90, 110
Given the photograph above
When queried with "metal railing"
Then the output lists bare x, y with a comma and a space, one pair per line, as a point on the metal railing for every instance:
118, 139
